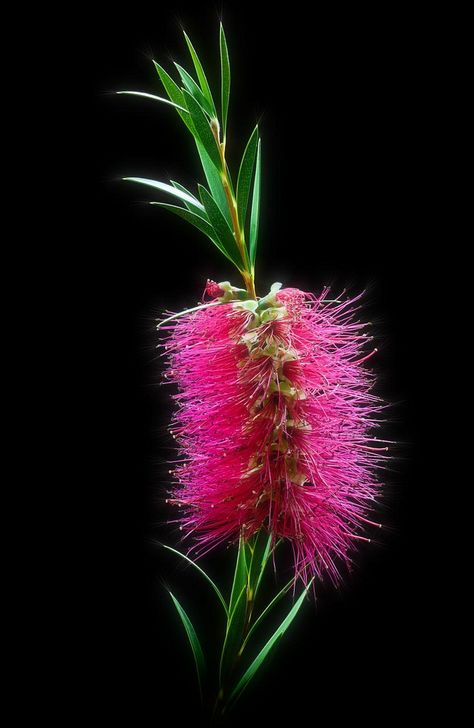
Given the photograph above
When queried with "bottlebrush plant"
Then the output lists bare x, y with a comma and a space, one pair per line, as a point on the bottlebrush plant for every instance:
274, 404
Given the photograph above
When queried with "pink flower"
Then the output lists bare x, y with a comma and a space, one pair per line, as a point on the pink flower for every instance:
274, 419
213, 289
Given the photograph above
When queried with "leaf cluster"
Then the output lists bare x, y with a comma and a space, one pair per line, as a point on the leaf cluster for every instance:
236, 669
227, 214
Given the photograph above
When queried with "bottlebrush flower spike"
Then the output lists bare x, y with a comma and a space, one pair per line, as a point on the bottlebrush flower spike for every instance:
274, 402
274, 421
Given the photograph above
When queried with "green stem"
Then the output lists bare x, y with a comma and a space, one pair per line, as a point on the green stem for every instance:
220, 705
248, 274
251, 588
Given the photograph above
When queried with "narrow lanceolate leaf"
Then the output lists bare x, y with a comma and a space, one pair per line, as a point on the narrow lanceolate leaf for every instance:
240, 575
254, 216
279, 632
244, 180
203, 129
185, 313
220, 225
199, 223
225, 79
201, 75
233, 635
175, 94
194, 642
196, 566
212, 174
194, 89
261, 552
266, 611
186, 197
155, 98
237, 613
193, 206
214, 181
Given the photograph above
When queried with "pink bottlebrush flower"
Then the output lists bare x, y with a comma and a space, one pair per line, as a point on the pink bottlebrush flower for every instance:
275, 406
274, 419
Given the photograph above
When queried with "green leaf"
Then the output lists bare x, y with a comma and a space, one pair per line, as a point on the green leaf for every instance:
175, 94
237, 614
225, 79
155, 98
221, 226
261, 552
210, 171
279, 632
193, 206
212, 174
185, 313
185, 196
254, 216
245, 176
194, 642
203, 129
266, 611
196, 566
233, 635
200, 74
214, 181
240, 575
194, 89
199, 223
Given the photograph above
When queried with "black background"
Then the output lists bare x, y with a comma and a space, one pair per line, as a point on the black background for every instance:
344, 110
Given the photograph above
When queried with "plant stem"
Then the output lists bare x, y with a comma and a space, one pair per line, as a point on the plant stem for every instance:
221, 703
247, 273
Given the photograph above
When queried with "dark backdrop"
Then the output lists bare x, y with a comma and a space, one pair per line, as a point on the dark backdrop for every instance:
347, 141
